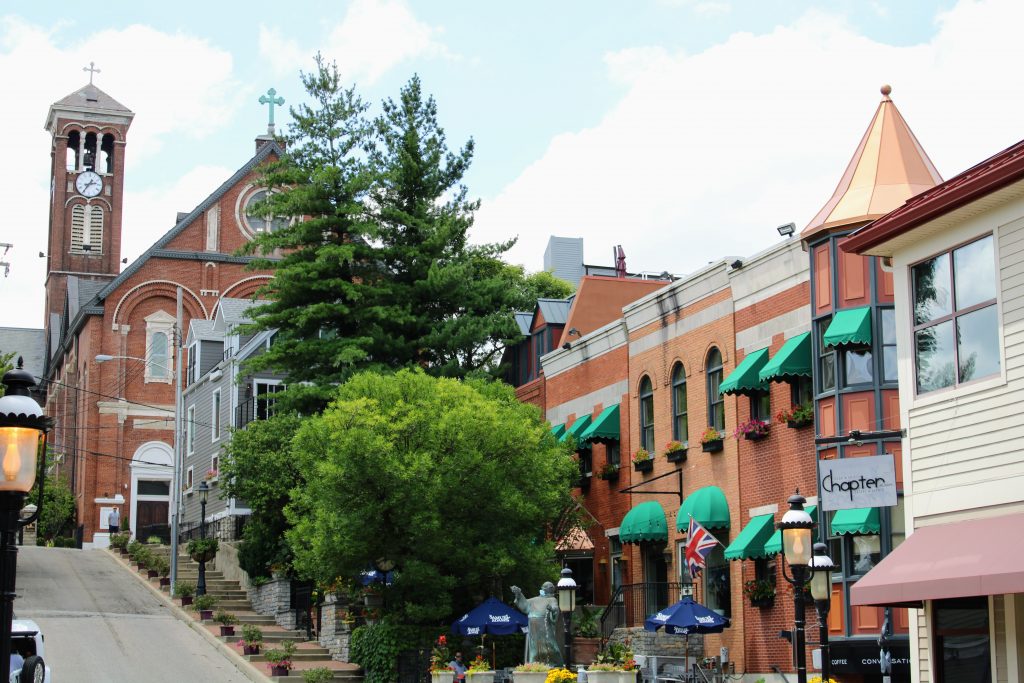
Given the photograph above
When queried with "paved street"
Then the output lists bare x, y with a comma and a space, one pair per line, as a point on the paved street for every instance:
102, 625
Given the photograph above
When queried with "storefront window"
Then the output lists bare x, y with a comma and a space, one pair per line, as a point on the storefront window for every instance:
962, 640
716, 582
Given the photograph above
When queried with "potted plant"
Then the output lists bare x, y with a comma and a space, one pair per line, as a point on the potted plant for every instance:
797, 416
204, 605
320, 674
560, 676
119, 542
642, 460
227, 622
761, 592
753, 430
610, 472
372, 596
480, 671
675, 451
614, 665
586, 643
203, 549
533, 672
252, 639
279, 659
711, 440
185, 591
440, 656
162, 566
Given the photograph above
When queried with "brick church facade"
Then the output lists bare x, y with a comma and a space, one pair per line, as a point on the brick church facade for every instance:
114, 433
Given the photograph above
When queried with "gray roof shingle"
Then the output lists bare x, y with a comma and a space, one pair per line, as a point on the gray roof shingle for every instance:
92, 97
28, 343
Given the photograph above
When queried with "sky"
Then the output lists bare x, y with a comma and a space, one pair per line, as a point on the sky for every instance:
684, 130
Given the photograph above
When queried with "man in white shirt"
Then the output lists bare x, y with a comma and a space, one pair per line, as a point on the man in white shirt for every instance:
114, 521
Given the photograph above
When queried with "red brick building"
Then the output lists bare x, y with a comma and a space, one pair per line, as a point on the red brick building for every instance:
114, 432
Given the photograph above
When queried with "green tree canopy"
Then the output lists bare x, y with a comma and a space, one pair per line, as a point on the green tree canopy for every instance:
454, 481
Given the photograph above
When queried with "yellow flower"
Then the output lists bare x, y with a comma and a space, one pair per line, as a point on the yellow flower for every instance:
560, 676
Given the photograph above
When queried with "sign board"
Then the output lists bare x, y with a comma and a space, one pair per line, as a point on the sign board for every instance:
866, 482
104, 514
863, 657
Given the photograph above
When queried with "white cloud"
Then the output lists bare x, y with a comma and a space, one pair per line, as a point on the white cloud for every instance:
374, 37
182, 83
707, 153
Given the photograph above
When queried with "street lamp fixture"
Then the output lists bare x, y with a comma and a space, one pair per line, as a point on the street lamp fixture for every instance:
204, 492
567, 605
796, 527
821, 591
23, 430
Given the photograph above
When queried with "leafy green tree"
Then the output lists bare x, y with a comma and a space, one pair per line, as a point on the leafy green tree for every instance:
454, 481
6, 365
259, 469
57, 516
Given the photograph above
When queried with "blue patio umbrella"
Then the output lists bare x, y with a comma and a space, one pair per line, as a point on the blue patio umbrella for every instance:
686, 617
368, 576
491, 616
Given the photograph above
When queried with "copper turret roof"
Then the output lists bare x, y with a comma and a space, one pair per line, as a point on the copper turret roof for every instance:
888, 168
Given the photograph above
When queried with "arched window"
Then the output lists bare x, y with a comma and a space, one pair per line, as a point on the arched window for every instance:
646, 414
680, 429
716, 404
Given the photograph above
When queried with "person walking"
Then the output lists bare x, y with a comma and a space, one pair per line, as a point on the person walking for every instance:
458, 667
114, 521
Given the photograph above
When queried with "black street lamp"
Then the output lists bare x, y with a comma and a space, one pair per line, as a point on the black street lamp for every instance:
567, 605
796, 526
204, 491
821, 591
23, 430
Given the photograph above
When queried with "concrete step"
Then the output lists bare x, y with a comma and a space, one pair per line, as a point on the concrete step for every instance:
296, 677
256, 619
299, 656
270, 638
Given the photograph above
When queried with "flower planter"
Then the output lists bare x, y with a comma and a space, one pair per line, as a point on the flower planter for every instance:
755, 436
676, 456
227, 630
711, 446
442, 677
763, 603
278, 671
584, 650
152, 574
165, 581
644, 465
186, 600
204, 557
373, 600
250, 649
205, 614
529, 676
480, 676
611, 676
799, 424
607, 476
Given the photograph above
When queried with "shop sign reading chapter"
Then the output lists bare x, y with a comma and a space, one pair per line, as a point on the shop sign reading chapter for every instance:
865, 482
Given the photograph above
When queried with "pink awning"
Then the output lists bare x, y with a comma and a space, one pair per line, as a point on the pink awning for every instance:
974, 557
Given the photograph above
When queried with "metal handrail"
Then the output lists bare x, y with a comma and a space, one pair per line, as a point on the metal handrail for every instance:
631, 604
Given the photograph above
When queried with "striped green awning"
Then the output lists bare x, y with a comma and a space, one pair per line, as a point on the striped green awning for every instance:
744, 379
852, 326
604, 428
706, 505
749, 544
774, 544
856, 522
791, 362
645, 522
577, 428
558, 430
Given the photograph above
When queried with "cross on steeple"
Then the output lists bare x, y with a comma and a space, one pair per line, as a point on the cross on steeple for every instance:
271, 99
91, 69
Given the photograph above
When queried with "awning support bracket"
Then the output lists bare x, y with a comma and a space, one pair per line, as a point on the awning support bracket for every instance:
677, 473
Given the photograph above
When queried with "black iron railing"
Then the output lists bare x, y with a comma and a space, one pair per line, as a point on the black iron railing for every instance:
632, 603
223, 529
245, 412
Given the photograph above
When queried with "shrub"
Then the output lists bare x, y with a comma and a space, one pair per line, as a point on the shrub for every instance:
154, 540
202, 547
204, 602
321, 674
585, 626
119, 541
376, 648
162, 565
184, 589
252, 635
225, 618
281, 656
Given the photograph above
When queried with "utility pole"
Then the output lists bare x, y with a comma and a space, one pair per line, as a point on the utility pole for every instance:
176, 476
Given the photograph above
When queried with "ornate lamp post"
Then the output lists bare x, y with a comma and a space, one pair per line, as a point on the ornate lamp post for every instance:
204, 492
567, 605
821, 591
23, 430
796, 526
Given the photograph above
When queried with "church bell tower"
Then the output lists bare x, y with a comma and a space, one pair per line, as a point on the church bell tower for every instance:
88, 129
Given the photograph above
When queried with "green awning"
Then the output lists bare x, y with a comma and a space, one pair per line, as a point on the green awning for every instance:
852, 326
774, 544
706, 505
749, 544
791, 362
645, 522
744, 379
604, 428
558, 430
856, 522
577, 428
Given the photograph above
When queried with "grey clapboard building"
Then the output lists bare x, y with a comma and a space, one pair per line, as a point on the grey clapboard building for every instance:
220, 395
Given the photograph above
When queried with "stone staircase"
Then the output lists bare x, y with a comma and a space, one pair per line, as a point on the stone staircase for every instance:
232, 598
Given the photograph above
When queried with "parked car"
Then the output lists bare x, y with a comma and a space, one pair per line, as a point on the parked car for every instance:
27, 643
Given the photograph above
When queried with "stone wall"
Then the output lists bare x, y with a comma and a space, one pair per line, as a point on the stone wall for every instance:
335, 633
274, 599
657, 643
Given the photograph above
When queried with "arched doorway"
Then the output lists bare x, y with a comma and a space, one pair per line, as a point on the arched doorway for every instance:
152, 471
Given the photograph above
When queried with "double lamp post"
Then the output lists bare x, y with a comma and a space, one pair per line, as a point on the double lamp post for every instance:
796, 527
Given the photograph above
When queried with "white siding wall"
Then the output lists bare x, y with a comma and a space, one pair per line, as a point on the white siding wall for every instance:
965, 444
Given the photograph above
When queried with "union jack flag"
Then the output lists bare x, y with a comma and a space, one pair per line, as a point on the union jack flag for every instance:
699, 544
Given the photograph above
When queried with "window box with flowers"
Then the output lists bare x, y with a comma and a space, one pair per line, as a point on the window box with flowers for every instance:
711, 440
610, 472
761, 592
797, 416
752, 430
642, 460
675, 451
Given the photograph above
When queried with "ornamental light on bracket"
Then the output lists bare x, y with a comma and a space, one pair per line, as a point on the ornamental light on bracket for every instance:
821, 579
796, 526
566, 592
22, 432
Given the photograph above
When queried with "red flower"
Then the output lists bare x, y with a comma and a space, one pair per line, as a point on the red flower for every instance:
442, 640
